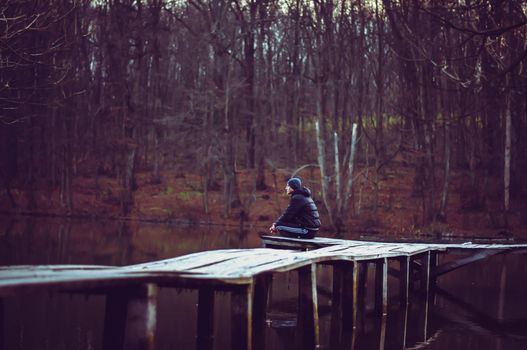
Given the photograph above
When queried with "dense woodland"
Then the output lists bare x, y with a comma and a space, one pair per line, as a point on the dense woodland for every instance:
114, 88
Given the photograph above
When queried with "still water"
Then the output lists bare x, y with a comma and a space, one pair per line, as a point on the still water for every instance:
482, 306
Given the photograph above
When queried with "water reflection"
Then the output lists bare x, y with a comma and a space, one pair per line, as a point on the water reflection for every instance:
481, 306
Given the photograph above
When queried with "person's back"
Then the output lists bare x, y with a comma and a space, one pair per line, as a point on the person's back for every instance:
300, 218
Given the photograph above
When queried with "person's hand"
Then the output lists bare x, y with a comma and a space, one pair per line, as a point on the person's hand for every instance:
273, 229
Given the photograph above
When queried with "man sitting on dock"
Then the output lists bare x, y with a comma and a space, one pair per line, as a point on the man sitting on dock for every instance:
300, 219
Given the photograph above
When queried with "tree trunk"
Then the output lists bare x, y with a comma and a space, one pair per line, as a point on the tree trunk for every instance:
349, 185
324, 179
507, 155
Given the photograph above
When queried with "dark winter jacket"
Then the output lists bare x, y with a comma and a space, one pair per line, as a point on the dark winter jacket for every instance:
301, 211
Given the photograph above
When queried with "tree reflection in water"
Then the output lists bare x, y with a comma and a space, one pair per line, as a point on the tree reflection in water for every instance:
480, 306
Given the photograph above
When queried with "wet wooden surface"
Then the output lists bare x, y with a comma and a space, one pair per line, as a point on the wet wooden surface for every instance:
233, 266
131, 291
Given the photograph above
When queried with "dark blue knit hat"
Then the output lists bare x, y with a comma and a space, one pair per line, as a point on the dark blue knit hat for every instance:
294, 183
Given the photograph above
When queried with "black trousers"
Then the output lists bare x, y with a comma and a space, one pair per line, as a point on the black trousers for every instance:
295, 231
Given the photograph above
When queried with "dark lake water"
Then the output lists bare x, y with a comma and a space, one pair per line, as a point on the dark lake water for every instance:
482, 306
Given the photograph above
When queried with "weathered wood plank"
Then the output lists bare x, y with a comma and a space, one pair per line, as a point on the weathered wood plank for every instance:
230, 266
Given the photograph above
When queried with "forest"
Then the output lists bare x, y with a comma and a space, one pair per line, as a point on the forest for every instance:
105, 104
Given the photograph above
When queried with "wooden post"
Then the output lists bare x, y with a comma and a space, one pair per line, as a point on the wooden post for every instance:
261, 299
381, 286
425, 288
433, 265
242, 317
115, 319
307, 325
404, 263
205, 336
363, 279
344, 306
411, 274
2, 324
361, 294
336, 305
141, 318
350, 296
433, 278
425, 272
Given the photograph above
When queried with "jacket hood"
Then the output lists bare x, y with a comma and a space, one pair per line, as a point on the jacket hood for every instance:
304, 191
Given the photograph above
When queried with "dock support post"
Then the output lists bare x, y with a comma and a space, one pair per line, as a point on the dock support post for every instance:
404, 280
130, 318
433, 264
261, 298
381, 286
350, 290
205, 336
242, 317
344, 303
336, 304
425, 272
425, 288
115, 319
307, 336
363, 277
141, 318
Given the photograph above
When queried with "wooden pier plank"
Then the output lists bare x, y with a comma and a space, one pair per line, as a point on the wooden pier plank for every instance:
132, 318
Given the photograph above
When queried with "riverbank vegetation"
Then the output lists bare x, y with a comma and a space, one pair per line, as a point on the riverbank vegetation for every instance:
199, 110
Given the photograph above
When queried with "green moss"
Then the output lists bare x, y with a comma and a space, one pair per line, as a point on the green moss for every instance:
188, 195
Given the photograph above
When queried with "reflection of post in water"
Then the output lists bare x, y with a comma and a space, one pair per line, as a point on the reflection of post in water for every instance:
307, 329
205, 336
242, 315
2, 325
382, 332
262, 288
407, 278
425, 289
64, 235
404, 325
344, 307
130, 318
501, 298
124, 235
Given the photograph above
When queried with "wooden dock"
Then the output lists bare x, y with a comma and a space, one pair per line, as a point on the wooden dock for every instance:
131, 291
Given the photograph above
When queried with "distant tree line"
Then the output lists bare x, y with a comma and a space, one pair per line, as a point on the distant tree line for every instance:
112, 87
